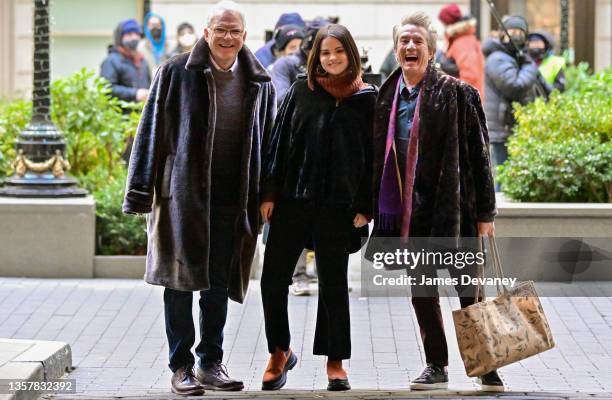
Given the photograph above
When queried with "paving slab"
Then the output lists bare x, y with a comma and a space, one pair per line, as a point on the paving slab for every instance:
116, 331
31, 361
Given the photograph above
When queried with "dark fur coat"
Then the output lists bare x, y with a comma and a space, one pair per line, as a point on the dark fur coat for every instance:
169, 170
453, 187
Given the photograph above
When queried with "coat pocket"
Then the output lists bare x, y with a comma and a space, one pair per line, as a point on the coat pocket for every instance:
165, 189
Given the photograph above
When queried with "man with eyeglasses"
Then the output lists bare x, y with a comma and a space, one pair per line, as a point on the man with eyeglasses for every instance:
195, 171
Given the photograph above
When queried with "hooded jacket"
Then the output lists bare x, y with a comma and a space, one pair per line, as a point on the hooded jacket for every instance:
551, 67
284, 72
464, 48
170, 167
123, 74
506, 81
155, 52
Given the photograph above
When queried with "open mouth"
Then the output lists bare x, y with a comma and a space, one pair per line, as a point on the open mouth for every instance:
226, 46
411, 58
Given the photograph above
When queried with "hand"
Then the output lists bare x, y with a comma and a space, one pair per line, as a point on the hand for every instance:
524, 58
266, 209
141, 94
360, 220
486, 229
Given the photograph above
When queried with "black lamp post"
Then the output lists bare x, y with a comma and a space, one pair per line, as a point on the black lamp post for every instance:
564, 45
40, 168
146, 8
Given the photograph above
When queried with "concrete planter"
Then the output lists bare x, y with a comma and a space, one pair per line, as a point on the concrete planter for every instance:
562, 242
123, 267
553, 219
47, 238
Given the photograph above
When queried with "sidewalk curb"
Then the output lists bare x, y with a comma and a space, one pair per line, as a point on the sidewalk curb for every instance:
33, 360
348, 395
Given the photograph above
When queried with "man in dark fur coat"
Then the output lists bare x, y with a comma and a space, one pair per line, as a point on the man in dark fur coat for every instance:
432, 174
195, 170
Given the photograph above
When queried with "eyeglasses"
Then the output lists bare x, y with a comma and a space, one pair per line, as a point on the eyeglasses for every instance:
221, 32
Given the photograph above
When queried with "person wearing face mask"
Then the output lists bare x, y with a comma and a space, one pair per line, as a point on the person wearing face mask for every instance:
154, 46
316, 183
509, 77
541, 46
124, 67
432, 176
185, 39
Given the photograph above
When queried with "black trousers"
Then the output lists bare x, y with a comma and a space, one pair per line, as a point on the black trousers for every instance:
293, 222
213, 302
426, 304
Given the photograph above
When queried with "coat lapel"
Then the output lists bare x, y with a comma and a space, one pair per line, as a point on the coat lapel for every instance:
199, 59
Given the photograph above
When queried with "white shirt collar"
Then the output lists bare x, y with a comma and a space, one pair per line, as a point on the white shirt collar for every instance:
233, 68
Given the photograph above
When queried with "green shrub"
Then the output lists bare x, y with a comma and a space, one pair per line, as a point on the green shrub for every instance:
14, 116
561, 150
95, 127
116, 232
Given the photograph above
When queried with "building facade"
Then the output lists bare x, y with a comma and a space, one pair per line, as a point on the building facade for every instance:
82, 29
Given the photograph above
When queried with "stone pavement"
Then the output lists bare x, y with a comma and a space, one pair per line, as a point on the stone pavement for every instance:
116, 331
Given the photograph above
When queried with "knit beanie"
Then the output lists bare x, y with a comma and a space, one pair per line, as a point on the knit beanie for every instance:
516, 22
130, 25
286, 34
450, 14
290, 19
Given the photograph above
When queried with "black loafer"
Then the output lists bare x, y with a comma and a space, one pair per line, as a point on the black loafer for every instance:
280, 381
337, 385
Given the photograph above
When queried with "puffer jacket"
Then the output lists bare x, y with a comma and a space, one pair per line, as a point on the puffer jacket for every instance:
505, 82
124, 76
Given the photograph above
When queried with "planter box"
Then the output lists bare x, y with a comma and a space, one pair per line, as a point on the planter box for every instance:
562, 242
133, 267
47, 238
124, 267
553, 219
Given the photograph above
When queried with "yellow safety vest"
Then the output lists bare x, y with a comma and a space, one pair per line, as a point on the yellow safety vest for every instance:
550, 67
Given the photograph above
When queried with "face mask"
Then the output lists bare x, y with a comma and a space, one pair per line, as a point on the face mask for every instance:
519, 40
187, 40
130, 44
156, 33
537, 54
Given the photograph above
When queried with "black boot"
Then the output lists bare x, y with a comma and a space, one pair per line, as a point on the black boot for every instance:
490, 382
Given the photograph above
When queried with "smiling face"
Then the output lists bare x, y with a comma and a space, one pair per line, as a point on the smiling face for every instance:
333, 56
411, 50
225, 37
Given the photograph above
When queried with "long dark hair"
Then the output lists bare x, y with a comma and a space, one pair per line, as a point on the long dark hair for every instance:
346, 39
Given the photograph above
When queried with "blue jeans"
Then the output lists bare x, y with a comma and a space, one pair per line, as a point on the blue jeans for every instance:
499, 155
180, 329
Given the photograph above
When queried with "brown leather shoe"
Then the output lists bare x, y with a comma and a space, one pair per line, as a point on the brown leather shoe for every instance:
185, 383
215, 377
275, 376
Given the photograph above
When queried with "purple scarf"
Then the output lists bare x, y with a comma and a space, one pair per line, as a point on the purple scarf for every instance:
395, 201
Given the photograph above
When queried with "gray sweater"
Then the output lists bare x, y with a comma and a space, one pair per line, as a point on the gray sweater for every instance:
228, 139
